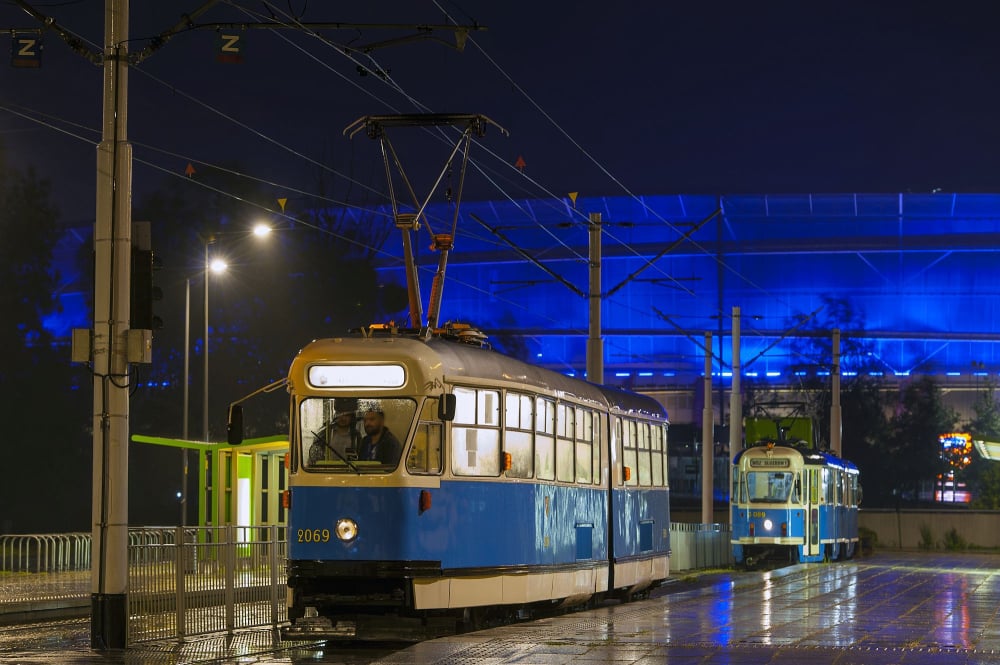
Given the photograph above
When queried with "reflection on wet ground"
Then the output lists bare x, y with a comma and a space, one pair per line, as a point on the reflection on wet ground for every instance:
889, 608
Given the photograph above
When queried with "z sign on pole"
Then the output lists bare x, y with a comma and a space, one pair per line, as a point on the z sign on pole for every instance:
230, 49
26, 50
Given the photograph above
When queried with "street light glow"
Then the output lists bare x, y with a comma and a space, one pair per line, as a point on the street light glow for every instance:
218, 265
261, 229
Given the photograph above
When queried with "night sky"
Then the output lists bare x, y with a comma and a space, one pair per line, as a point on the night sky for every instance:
599, 98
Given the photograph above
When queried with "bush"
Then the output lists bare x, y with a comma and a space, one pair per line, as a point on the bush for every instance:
954, 541
926, 538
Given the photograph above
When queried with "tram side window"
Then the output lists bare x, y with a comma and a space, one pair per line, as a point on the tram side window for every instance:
565, 427
657, 453
829, 489
475, 433
425, 453
629, 439
596, 448
736, 492
519, 435
642, 452
584, 443
545, 442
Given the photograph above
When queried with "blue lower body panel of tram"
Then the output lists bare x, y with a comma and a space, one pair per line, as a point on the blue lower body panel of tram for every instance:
770, 533
459, 525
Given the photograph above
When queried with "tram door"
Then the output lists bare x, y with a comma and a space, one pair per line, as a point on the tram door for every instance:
815, 494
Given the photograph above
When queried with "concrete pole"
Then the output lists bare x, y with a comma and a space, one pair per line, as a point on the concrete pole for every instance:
707, 441
595, 343
112, 274
836, 417
735, 399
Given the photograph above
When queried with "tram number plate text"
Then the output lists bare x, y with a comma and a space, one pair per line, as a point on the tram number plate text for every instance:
758, 513
313, 535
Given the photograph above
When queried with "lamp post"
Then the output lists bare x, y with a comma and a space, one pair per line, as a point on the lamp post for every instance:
216, 265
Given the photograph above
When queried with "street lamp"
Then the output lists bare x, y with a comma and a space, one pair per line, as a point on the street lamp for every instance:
218, 266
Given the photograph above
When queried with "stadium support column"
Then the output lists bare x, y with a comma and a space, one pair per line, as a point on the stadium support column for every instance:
835, 414
735, 399
595, 344
707, 441
112, 261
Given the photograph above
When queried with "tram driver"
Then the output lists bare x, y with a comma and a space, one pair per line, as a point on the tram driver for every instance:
340, 441
379, 443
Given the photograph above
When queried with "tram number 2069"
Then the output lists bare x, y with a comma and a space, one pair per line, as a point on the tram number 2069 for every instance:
313, 535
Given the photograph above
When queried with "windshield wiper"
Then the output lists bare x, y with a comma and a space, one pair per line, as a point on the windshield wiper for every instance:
337, 453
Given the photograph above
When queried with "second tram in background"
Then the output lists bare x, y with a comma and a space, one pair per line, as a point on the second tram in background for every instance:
435, 484
793, 503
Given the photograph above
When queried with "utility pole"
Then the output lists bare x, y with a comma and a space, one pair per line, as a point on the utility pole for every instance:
836, 417
707, 441
735, 398
595, 344
112, 256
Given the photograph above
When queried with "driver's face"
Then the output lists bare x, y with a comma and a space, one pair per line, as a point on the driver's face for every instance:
344, 420
373, 422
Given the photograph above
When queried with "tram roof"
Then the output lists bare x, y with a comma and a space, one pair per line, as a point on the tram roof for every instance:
460, 359
809, 456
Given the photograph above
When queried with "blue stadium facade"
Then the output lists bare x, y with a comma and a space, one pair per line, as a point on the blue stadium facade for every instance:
912, 278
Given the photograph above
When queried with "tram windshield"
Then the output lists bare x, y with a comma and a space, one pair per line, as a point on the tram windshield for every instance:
354, 435
771, 486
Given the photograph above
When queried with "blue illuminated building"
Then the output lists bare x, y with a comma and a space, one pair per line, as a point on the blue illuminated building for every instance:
918, 274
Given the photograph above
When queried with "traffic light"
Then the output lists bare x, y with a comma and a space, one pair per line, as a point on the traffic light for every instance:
143, 291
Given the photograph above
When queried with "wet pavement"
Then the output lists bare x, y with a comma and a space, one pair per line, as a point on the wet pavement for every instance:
905, 608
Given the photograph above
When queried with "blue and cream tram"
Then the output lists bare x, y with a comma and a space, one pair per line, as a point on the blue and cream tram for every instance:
793, 503
515, 488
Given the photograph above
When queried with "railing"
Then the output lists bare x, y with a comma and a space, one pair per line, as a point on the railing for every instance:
694, 546
45, 552
185, 581
190, 581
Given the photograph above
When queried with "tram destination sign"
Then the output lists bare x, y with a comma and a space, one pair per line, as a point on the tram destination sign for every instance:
769, 463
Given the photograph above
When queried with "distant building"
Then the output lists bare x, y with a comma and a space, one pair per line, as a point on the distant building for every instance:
917, 273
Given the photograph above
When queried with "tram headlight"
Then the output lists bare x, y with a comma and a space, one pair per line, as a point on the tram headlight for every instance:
768, 524
346, 529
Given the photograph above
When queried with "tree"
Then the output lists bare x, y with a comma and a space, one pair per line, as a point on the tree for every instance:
865, 431
44, 405
983, 476
913, 450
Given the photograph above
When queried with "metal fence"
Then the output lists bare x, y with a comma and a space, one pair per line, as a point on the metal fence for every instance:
44, 552
185, 581
696, 546
190, 581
